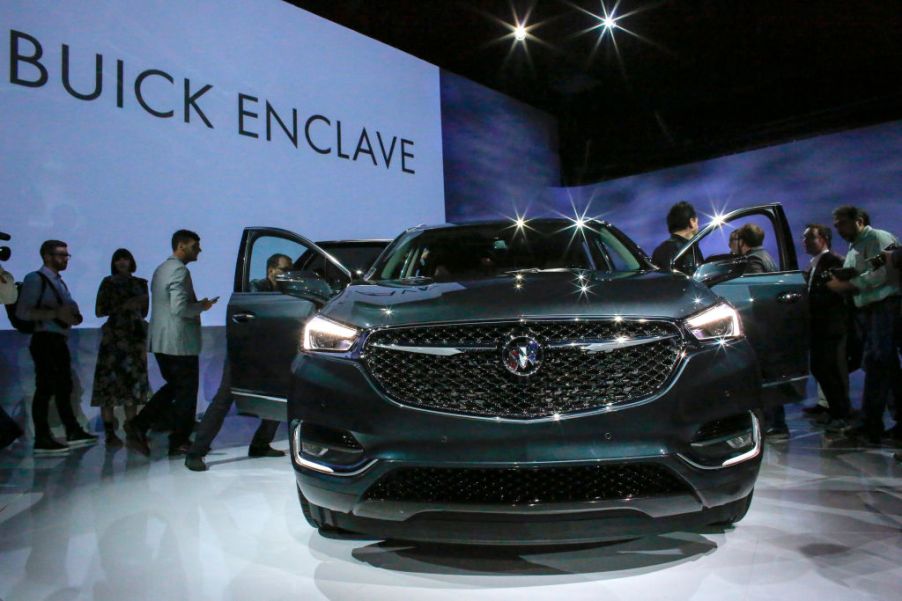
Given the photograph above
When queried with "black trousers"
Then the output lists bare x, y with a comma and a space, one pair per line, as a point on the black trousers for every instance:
829, 367
178, 394
215, 414
53, 377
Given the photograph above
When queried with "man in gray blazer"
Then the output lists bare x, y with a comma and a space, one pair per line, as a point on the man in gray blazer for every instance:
174, 339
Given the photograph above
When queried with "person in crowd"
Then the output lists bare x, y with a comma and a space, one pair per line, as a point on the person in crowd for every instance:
120, 378
222, 400
828, 326
734, 243
275, 265
45, 300
876, 294
175, 341
9, 429
682, 223
750, 245
212, 422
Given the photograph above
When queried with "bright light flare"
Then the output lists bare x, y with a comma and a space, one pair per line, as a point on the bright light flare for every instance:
520, 33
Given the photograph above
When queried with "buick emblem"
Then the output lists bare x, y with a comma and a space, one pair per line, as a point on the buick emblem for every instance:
522, 356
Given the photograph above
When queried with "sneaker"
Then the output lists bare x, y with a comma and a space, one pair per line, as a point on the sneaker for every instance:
837, 425
49, 447
195, 463
80, 438
265, 451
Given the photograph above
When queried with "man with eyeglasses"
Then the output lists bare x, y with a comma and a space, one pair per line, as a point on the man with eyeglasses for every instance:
45, 300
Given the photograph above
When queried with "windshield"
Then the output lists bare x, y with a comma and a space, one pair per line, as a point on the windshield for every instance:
356, 256
487, 250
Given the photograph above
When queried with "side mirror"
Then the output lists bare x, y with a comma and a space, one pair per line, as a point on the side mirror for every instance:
715, 272
305, 285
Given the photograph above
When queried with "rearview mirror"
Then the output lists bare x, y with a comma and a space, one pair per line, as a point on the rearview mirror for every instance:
715, 272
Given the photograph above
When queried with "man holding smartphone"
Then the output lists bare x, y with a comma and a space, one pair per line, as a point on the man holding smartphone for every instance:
175, 340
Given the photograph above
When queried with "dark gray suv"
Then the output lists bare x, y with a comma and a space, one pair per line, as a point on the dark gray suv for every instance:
521, 381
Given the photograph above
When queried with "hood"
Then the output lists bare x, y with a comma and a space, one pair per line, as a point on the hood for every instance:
653, 294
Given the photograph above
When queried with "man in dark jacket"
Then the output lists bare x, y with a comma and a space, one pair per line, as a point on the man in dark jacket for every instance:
682, 223
751, 240
829, 317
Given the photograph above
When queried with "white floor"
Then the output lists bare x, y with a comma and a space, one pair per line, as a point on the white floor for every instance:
825, 524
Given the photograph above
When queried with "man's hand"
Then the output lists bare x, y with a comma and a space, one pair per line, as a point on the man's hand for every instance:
839, 286
68, 314
207, 303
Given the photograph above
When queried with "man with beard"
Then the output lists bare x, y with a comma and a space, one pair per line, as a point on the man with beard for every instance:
876, 294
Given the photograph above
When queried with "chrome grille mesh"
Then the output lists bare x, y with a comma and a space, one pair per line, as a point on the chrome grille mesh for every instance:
475, 382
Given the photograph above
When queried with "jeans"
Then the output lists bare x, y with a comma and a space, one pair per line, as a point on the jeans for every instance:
881, 325
215, 414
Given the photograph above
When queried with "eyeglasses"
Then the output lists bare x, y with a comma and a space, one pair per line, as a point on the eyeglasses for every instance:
67, 255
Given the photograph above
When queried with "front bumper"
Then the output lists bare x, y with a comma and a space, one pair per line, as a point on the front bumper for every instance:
712, 383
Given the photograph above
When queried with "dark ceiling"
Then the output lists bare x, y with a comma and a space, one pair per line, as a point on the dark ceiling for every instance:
686, 81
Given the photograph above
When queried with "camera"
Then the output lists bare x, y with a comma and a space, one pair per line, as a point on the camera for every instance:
5, 251
880, 260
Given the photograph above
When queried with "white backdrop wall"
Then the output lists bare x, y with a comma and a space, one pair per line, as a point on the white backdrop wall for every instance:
104, 171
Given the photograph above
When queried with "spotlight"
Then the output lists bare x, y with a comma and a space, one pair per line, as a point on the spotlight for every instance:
519, 33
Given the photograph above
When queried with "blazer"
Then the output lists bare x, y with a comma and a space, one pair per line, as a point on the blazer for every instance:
175, 312
828, 309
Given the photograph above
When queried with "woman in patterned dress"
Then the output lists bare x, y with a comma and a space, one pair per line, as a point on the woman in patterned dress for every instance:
120, 379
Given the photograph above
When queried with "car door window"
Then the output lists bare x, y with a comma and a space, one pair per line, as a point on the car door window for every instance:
266, 247
716, 245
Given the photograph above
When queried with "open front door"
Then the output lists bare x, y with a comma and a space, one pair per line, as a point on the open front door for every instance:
263, 325
773, 306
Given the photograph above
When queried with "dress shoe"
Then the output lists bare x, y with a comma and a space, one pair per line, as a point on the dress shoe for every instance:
195, 463
181, 449
137, 437
776, 433
837, 425
862, 434
266, 451
814, 410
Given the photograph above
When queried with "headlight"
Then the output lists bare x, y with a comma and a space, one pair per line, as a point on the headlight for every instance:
719, 321
321, 334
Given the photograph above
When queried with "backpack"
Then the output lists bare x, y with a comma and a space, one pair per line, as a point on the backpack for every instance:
26, 326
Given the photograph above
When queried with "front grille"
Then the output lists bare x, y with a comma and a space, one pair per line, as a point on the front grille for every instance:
520, 486
475, 382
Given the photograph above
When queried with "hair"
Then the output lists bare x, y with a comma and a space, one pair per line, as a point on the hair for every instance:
851, 213
49, 246
821, 230
273, 261
185, 236
123, 253
751, 234
679, 215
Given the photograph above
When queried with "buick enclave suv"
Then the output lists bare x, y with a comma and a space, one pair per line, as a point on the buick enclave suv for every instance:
519, 382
